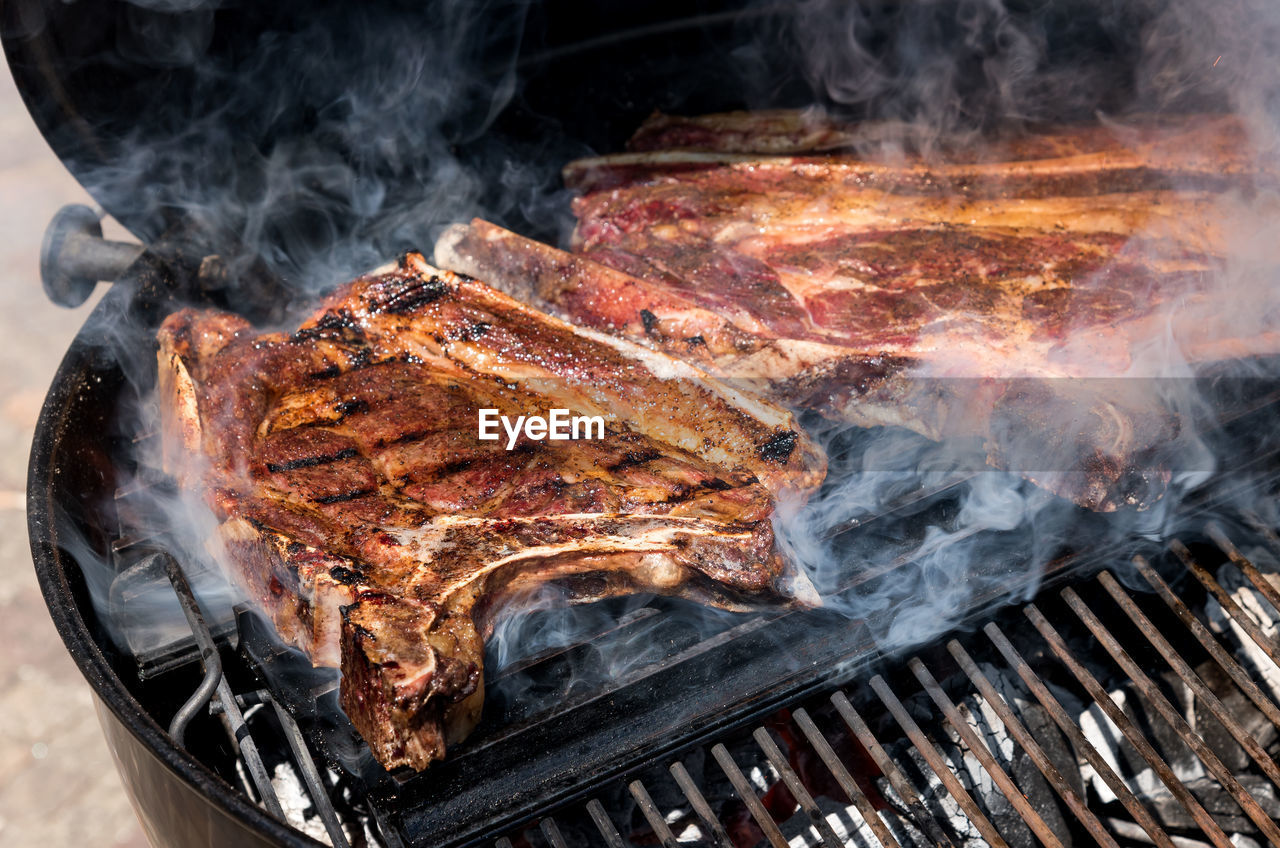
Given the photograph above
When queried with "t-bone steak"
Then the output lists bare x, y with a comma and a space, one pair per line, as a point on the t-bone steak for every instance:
362, 513
1004, 289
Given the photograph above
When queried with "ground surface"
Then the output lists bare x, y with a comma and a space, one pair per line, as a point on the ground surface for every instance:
58, 786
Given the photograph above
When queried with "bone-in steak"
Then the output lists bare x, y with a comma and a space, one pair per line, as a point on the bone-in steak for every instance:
360, 509
998, 290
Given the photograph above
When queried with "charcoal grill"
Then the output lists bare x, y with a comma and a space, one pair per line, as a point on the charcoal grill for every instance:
1027, 646
663, 752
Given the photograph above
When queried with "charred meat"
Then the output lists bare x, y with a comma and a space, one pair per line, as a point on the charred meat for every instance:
360, 509
1001, 291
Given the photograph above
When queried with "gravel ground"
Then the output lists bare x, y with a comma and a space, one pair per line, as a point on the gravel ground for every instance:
58, 785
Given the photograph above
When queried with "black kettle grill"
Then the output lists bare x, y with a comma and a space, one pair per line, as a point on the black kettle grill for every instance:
260, 152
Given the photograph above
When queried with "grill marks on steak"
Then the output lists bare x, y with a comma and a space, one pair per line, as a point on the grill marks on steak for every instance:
416, 432
361, 511
846, 271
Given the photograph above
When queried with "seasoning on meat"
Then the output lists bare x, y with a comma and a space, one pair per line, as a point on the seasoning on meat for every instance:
361, 511
922, 291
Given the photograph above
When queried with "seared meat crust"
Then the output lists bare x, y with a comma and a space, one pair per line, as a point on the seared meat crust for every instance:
840, 268
362, 513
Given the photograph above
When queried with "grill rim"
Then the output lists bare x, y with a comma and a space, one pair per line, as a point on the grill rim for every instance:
87, 389
85, 385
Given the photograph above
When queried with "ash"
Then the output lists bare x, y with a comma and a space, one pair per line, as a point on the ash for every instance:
829, 813
358, 824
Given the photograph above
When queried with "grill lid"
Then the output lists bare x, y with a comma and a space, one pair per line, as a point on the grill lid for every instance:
326, 136
299, 130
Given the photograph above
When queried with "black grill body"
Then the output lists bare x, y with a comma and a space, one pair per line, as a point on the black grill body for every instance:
583, 80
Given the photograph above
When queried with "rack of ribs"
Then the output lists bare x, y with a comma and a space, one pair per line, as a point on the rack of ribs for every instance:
1002, 289
359, 509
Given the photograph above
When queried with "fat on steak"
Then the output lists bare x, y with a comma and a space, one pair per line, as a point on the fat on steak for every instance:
991, 290
362, 513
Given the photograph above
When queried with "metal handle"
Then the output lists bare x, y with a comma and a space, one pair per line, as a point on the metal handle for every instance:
75, 257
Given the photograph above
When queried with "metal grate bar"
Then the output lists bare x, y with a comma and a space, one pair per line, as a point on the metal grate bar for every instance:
1038, 756
1119, 719
1191, 679
310, 776
918, 813
918, 496
1227, 602
1172, 717
552, 832
711, 826
238, 731
844, 778
1263, 585
934, 758
212, 662
748, 795
652, 814
231, 716
979, 749
1019, 729
604, 824
1255, 521
796, 787
1224, 660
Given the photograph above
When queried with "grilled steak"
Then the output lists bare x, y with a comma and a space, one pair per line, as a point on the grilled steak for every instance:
966, 295
361, 511
1209, 144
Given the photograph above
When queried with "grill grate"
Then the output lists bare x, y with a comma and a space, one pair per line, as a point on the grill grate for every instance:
904, 787
216, 695
1061, 647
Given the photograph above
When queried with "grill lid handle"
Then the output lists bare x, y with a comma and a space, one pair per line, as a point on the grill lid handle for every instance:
75, 257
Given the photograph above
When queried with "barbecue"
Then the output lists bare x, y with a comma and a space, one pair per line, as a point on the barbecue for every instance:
1007, 651
383, 536
874, 292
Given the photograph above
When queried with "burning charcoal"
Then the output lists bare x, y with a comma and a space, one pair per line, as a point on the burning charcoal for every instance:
1150, 790
1249, 717
1167, 739
984, 720
670, 801
1132, 768
296, 801
761, 774
979, 782
1129, 830
847, 824
298, 809
982, 786
1257, 608
1218, 802
940, 803
1051, 740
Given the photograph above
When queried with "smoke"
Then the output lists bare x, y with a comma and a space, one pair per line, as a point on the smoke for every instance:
130, 590
362, 131
959, 67
950, 75
324, 142
316, 147
545, 656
